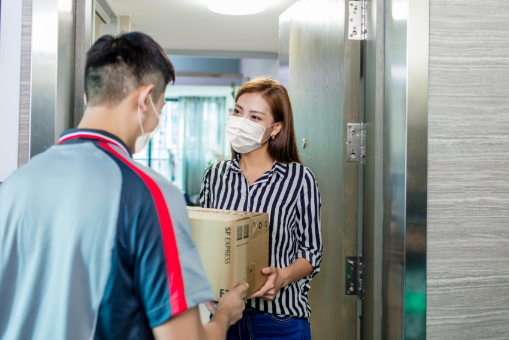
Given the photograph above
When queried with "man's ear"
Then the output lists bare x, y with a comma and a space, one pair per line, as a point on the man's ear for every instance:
144, 100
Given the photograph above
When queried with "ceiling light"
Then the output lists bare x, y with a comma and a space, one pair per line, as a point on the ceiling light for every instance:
237, 7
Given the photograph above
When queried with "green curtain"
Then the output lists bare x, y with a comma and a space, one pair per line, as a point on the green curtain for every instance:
204, 138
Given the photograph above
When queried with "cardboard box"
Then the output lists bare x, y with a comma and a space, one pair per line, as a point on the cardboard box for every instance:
233, 247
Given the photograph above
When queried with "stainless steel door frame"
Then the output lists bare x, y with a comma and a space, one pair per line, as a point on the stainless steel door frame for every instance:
83, 42
25, 84
405, 168
372, 219
44, 75
395, 174
52, 76
49, 87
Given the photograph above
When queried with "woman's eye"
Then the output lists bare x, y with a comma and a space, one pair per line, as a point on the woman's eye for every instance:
237, 112
255, 118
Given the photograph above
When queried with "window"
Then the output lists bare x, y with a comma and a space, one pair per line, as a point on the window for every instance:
164, 146
191, 138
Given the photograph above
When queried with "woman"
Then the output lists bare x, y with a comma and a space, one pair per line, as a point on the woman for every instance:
266, 175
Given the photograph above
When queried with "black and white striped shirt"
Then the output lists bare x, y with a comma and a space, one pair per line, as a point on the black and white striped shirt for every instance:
289, 194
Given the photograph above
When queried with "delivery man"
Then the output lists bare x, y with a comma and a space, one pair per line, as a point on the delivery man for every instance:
94, 245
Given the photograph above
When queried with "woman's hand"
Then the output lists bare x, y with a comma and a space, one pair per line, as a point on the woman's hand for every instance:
282, 277
275, 281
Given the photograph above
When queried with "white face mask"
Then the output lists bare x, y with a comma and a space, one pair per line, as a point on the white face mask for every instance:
142, 141
245, 135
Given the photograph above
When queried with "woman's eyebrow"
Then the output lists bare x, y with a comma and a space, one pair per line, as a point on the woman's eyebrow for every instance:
253, 111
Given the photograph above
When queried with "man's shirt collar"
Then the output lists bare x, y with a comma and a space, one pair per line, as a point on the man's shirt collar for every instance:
92, 134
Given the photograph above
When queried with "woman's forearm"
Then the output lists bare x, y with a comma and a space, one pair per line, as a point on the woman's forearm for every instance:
296, 271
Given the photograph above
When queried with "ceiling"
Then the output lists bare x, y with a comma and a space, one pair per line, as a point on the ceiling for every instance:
190, 25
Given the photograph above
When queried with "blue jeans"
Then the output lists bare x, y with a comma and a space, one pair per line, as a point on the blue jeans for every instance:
256, 325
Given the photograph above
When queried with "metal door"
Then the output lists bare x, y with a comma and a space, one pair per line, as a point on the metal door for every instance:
321, 67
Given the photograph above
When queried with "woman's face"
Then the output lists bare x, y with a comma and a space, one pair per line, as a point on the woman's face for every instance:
253, 107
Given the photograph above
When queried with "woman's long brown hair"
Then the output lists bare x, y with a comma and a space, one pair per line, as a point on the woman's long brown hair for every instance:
283, 148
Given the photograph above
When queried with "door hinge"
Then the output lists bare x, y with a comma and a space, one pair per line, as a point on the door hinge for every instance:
357, 20
356, 142
355, 276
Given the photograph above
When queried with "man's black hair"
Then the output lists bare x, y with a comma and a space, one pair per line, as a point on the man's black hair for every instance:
116, 66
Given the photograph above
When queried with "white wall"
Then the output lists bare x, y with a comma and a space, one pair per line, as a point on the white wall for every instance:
10, 59
252, 68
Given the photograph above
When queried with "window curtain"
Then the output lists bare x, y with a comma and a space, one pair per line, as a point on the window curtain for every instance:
204, 138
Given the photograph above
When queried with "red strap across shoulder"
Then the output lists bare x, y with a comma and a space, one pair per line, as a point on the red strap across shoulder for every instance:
173, 267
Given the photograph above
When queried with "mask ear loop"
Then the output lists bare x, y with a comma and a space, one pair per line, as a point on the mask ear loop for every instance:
265, 140
154, 107
270, 135
139, 117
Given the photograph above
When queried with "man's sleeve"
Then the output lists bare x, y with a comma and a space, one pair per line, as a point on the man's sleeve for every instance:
169, 276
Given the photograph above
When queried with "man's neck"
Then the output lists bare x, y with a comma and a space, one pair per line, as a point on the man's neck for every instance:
112, 121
